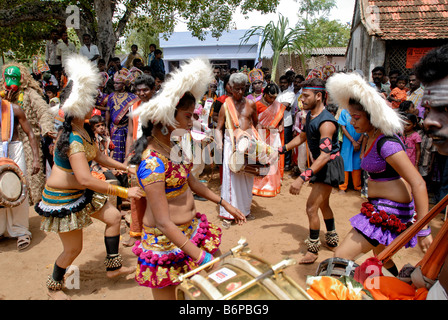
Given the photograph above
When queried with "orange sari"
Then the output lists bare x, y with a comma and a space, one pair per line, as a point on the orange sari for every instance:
270, 185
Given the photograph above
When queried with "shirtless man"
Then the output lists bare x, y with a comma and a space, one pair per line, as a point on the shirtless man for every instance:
14, 222
431, 70
236, 188
327, 170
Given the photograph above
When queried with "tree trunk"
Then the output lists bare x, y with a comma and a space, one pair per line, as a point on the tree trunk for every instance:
106, 39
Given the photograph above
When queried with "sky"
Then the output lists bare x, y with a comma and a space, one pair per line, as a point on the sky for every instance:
343, 12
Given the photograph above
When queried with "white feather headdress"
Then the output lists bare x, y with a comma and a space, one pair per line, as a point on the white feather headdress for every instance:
194, 77
86, 79
341, 87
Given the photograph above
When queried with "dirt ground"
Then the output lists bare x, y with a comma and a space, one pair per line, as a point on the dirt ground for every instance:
278, 231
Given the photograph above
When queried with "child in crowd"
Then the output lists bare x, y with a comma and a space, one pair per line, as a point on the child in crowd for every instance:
104, 144
407, 107
399, 93
427, 157
411, 138
52, 95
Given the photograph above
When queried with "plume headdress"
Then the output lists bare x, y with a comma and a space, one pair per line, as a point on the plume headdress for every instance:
194, 77
341, 87
84, 79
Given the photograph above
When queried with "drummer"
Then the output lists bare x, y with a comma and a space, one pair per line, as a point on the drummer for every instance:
14, 222
236, 187
175, 238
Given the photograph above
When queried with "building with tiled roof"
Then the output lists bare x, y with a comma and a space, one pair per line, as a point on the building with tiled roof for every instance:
395, 34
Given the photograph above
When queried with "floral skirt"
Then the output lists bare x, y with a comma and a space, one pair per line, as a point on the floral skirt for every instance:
382, 220
64, 210
160, 261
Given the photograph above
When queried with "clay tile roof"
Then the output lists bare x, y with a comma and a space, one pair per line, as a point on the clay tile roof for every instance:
329, 51
406, 19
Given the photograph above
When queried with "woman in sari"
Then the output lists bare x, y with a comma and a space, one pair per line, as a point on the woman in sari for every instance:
270, 119
118, 106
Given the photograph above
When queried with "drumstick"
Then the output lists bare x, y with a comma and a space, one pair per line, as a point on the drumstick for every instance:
241, 244
274, 270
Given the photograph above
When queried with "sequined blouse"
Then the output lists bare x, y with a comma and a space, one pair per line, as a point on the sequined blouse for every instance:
157, 168
77, 144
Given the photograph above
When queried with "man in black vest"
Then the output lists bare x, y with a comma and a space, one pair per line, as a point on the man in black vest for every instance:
327, 169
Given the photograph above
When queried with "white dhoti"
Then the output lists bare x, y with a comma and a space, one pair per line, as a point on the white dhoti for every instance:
437, 292
14, 222
236, 188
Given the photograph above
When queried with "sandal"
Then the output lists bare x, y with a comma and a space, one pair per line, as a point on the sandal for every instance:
23, 242
250, 216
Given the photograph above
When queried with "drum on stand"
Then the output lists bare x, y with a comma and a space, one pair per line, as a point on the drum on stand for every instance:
13, 188
243, 277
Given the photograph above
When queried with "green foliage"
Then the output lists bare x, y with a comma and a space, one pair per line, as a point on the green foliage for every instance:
328, 33
279, 36
201, 17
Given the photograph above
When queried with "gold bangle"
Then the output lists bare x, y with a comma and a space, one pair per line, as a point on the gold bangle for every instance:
114, 190
186, 241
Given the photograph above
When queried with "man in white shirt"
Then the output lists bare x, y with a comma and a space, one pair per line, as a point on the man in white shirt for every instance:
53, 60
65, 48
286, 97
88, 49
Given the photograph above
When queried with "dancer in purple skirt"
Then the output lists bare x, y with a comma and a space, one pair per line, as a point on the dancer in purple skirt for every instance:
397, 194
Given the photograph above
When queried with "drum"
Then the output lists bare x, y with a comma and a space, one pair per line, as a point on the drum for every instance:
255, 150
13, 189
241, 278
238, 163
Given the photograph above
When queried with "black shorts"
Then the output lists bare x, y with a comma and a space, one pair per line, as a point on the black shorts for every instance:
332, 173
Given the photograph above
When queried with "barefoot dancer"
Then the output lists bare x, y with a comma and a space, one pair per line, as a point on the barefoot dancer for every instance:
176, 238
327, 170
394, 183
72, 195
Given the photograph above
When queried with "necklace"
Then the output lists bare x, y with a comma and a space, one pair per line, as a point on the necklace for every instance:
83, 133
162, 145
118, 99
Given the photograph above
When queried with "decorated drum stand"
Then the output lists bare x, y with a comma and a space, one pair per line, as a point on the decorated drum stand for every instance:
13, 189
242, 276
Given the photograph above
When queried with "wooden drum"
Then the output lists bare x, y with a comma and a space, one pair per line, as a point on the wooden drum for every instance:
245, 277
13, 189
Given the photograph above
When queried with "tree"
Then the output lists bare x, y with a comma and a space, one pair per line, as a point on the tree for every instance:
279, 36
107, 20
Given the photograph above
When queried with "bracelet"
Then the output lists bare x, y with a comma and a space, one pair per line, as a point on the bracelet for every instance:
220, 201
186, 241
424, 232
201, 257
204, 258
114, 190
307, 174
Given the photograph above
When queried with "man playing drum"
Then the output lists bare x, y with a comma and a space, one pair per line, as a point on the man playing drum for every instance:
14, 221
236, 187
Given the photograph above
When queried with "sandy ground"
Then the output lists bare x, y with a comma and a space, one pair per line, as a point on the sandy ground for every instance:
279, 231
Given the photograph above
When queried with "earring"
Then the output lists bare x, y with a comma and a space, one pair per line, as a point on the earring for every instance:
164, 130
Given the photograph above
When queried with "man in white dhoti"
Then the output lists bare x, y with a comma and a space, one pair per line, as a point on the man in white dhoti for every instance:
241, 114
14, 222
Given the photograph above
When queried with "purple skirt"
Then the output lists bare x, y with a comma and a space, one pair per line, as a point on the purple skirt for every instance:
403, 211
